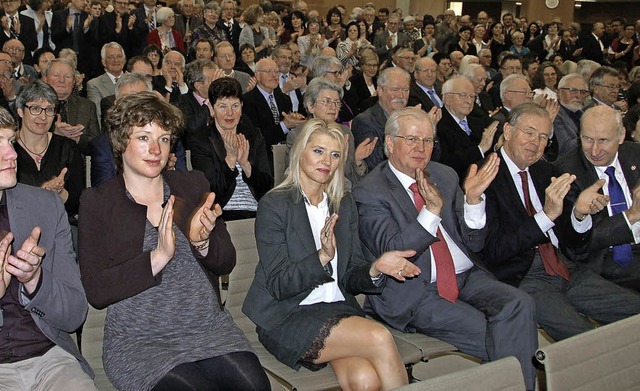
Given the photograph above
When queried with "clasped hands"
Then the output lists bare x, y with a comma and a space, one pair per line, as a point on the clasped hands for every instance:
391, 263
25, 265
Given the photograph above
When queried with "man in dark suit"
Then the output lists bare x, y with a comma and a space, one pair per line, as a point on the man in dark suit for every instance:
528, 224
269, 108
425, 89
20, 27
592, 46
195, 105
414, 203
74, 28
144, 23
463, 139
289, 83
41, 296
229, 25
572, 90
186, 21
612, 250
171, 82
393, 93
119, 26
514, 91
510, 65
388, 39
77, 117
604, 85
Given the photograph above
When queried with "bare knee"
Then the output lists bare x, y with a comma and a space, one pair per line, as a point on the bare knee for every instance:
380, 338
362, 378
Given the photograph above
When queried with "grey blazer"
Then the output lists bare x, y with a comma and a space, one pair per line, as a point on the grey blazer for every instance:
289, 267
243, 78
98, 88
566, 133
60, 305
388, 221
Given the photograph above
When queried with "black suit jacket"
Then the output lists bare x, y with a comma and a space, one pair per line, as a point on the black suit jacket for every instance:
359, 92
141, 30
208, 154
513, 234
606, 230
233, 34
458, 150
418, 96
64, 39
256, 107
196, 117
27, 36
126, 38
591, 49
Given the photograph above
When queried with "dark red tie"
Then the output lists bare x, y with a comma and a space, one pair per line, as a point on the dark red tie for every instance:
445, 270
552, 263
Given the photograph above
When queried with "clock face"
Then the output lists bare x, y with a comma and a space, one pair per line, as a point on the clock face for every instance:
552, 3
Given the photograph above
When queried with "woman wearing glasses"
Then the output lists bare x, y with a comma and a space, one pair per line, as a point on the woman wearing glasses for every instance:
311, 264
323, 100
45, 159
233, 154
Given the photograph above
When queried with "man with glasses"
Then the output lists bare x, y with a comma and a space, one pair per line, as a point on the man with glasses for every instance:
289, 83
391, 37
612, 250
529, 230
514, 91
404, 58
187, 20
20, 27
21, 71
8, 84
225, 58
572, 91
330, 68
268, 107
425, 89
113, 60
412, 202
393, 94
464, 139
509, 65
604, 86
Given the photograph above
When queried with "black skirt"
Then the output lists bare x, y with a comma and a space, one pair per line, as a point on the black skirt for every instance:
300, 336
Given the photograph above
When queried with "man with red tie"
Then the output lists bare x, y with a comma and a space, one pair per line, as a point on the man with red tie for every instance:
529, 229
411, 202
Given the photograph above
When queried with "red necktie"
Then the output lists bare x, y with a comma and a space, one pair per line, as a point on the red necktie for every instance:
445, 271
552, 263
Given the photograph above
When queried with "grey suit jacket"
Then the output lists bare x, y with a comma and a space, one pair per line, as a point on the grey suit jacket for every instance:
380, 42
388, 221
243, 78
370, 124
60, 305
566, 132
98, 88
289, 267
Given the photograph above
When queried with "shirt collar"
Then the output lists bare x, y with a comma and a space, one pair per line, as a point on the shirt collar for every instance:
513, 169
405, 180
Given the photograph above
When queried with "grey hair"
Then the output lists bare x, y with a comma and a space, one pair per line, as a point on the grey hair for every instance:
528, 108
447, 87
598, 75
64, 61
587, 67
194, 71
35, 91
567, 78
385, 75
392, 126
469, 70
212, 5
318, 85
111, 45
129, 79
508, 82
6, 120
163, 14
323, 64
164, 59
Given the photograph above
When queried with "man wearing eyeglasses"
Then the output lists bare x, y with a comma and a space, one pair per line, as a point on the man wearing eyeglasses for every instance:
425, 89
19, 27
509, 65
604, 86
225, 58
412, 202
572, 91
113, 60
612, 250
21, 71
391, 37
529, 231
464, 139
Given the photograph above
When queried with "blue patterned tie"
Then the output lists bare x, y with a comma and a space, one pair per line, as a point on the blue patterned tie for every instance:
622, 254
434, 98
465, 127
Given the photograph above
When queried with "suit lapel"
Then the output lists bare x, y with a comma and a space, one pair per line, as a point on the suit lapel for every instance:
300, 222
399, 193
17, 220
630, 170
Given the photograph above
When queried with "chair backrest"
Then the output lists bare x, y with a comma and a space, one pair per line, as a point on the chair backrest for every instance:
607, 358
87, 171
501, 375
92, 338
279, 163
187, 153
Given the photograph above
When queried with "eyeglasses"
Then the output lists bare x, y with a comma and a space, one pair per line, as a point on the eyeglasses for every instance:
282, 57
116, 57
464, 95
407, 58
600, 141
572, 90
528, 93
335, 73
426, 70
370, 65
37, 110
269, 71
610, 86
535, 135
414, 141
512, 69
396, 90
14, 49
330, 102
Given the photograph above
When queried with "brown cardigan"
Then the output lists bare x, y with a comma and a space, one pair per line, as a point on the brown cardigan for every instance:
111, 234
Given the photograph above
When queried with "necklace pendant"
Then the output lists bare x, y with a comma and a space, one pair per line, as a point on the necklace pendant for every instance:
39, 158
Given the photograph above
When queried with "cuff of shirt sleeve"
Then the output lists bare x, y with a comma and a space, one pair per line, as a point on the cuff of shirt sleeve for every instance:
581, 226
429, 221
475, 215
544, 222
285, 130
635, 229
